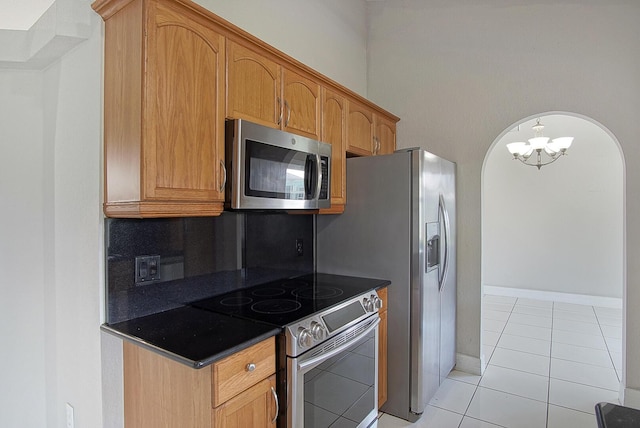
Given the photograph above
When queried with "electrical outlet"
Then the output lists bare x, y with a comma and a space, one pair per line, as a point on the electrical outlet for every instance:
70, 421
147, 269
299, 247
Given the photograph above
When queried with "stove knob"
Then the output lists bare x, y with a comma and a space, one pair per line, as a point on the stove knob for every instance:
317, 330
377, 302
368, 304
304, 337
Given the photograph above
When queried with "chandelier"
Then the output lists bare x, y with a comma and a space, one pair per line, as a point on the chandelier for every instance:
552, 150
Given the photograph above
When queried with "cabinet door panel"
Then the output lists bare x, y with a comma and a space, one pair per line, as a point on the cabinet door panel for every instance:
334, 133
386, 136
359, 130
301, 113
253, 88
184, 130
255, 407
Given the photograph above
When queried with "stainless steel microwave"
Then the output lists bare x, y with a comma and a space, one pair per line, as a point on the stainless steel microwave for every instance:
271, 169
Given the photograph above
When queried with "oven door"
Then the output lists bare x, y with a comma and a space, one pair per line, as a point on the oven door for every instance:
336, 383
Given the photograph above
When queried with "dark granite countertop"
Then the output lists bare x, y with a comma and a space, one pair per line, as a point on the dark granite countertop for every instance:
199, 337
192, 336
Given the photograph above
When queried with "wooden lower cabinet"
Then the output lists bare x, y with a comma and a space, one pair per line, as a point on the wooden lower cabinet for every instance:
382, 349
255, 407
160, 392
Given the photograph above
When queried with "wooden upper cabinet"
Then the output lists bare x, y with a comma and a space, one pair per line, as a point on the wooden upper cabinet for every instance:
301, 105
263, 91
164, 112
385, 136
334, 132
369, 133
253, 86
173, 71
360, 129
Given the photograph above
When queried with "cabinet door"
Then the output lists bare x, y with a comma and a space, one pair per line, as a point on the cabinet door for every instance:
385, 136
253, 87
360, 129
184, 104
334, 132
301, 105
255, 407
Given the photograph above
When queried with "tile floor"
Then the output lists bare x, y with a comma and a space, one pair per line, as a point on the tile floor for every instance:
549, 363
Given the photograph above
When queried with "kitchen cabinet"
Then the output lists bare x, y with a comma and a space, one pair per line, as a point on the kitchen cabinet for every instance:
334, 132
253, 408
360, 129
385, 135
264, 91
173, 72
163, 110
229, 393
369, 133
382, 349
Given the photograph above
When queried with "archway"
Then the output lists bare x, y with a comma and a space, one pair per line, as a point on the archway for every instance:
557, 233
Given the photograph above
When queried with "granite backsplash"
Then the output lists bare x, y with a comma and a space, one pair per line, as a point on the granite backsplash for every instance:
201, 257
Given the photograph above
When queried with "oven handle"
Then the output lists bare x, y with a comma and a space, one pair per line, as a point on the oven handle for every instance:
313, 361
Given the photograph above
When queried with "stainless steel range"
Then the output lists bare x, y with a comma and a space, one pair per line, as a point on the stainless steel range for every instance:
332, 366
328, 349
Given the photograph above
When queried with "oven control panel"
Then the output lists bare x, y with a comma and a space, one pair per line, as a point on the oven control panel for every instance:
313, 330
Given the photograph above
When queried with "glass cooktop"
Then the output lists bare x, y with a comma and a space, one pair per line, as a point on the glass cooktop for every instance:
286, 301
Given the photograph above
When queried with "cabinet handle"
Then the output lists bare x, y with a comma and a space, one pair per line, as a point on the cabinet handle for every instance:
275, 398
288, 107
251, 367
280, 109
224, 176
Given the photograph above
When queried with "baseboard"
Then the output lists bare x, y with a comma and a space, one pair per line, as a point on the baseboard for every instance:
580, 299
469, 364
629, 397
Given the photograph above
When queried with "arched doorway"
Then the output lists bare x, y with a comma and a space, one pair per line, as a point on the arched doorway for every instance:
555, 235
557, 229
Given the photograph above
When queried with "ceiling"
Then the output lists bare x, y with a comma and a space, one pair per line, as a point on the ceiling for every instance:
21, 14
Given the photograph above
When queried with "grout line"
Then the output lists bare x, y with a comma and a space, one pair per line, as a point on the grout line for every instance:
607, 345
553, 304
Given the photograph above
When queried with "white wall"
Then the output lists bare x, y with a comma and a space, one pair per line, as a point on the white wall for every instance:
329, 36
460, 72
51, 245
22, 303
558, 229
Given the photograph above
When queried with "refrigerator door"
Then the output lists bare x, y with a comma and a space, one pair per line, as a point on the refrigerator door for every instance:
447, 215
425, 299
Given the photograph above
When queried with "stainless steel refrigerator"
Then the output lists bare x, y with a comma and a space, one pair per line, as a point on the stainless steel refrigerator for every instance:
399, 224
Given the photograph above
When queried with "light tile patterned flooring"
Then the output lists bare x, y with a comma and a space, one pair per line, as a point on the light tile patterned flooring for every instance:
549, 363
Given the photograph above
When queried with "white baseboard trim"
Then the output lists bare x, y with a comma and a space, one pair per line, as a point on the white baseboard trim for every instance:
581, 299
629, 397
469, 364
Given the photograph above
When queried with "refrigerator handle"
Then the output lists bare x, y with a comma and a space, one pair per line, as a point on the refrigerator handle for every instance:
444, 267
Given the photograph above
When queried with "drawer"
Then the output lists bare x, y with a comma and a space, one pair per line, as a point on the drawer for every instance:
242, 370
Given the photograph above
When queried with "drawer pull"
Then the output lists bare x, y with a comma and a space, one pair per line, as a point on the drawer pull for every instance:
251, 367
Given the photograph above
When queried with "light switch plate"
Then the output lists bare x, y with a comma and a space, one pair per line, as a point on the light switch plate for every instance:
147, 269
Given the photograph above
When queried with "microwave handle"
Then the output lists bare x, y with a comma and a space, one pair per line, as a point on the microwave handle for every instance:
319, 177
